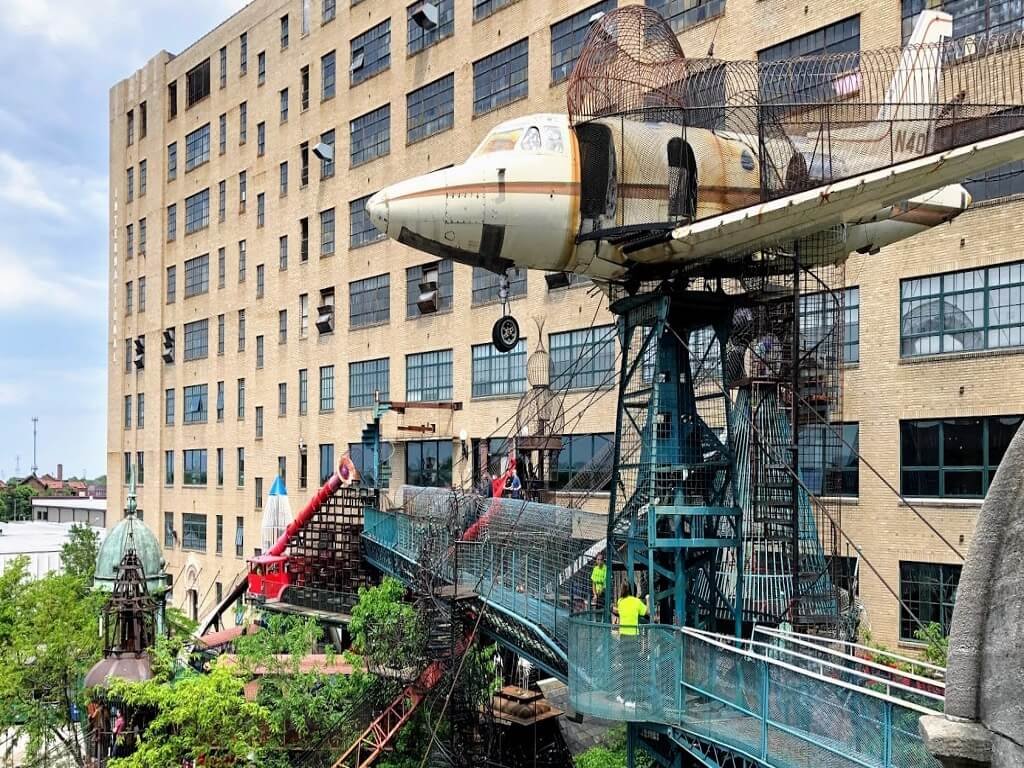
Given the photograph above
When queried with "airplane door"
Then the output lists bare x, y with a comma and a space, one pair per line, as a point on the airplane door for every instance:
598, 189
682, 181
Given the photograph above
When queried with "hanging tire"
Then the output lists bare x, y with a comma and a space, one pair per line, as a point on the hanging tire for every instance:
505, 333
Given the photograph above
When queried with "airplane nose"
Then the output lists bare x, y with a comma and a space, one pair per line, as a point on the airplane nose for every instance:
377, 209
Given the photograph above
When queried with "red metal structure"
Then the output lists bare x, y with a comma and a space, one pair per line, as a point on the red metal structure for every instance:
497, 488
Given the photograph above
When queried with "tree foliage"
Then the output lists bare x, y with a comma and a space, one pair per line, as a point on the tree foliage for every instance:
936, 649
49, 629
611, 753
78, 555
382, 614
16, 502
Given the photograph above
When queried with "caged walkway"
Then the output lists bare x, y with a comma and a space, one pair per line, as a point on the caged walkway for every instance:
778, 699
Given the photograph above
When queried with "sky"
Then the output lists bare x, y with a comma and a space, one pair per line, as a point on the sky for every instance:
58, 60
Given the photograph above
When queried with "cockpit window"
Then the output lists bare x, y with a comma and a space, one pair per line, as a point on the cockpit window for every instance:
531, 141
553, 139
546, 138
499, 141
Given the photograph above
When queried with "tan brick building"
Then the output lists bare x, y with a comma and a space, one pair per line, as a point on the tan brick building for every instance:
228, 236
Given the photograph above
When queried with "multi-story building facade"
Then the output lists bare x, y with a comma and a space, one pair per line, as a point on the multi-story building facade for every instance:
255, 313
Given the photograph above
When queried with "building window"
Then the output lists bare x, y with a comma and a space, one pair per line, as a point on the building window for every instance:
140, 411
127, 411
303, 467
428, 376
303, 391
220, 401
368, 381
304, 167
580, 453
283, 179
261, 139
371, 52
243, 122
193, 532
168, 471
240, 460
172, 222
282, 326
682, 14
142, 285
813, 85
241, 261
223, 66
953, 458
496, 374
282, 252
195, 404
220, 467
486, 284
326, 461
430, 109
172, 161
328, 10
962, 311
128, 297
242, 191
484, 8
220, 334
168, 529
428, 463
222, 267
567, 35
583, 359
196, 339
928, 592
169, 407
261, 210
327, 165
326, 388
142, 239
327, 232
197, 275
197, 211
430, 32
303, 315
328, 75
259, 352
304, 239
259, 422
131, 127
194, 471
197, 147
222, 134
143, 177
971, 18
284, 31
415, 276
172, 99
261, 67
818, 329
282, 399
369, 301
241, 399
222, 202
304, 90
130, 184
361, 229
243, 53
219, 545
501, 78
239, 535
258, 488
829, 459
172, 284
197, 83
127, 463
370, 136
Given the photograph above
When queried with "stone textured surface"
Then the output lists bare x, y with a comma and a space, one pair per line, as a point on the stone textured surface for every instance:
579, 736
957, 744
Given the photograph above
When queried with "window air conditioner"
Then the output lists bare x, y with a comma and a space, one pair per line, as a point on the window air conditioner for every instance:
428, 299
168, 351
425, 15
325, 318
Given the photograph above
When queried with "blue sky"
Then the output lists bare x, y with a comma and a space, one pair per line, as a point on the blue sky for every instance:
58, 59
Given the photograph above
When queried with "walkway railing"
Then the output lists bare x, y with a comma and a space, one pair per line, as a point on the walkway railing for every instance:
763, 707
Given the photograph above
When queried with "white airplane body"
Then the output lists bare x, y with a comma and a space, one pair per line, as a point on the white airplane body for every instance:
615, 197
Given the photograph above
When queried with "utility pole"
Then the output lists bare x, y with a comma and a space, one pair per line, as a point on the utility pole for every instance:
35, 465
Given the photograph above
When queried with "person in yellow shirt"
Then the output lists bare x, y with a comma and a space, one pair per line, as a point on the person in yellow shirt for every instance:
598, 574
630, 609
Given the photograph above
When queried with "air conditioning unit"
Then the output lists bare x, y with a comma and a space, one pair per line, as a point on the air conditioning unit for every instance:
140, 353
425, 15
428, 299
325, 318
168, 351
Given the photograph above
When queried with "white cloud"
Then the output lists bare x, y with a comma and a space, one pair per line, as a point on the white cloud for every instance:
21, 186
29, 281
54, 189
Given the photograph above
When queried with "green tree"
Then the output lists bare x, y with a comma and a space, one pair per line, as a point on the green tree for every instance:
52, 639
611, 753
16, 503
381, 613
936, 649
78, 555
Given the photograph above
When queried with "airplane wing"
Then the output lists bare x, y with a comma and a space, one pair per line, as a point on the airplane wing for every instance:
744, 231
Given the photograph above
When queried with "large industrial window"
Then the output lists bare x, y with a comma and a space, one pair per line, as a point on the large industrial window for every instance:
196, 339
327, 232
818, 329
422, 33
495, 373
195, 404
828, 458
428, 463
367, 380
195, 467
501, 78
486, 284
197, 275
197, 147
816, 84
588, 458
567, 37
371, 52
360, 228
193, 532
428, 376
326, 388
326, 461
414, 276
971, 18
197, 83
369, 301
955, 457
484, 8
370, 136
430, 109
928, 592
197, 211
686, 13
962, 311
583, 359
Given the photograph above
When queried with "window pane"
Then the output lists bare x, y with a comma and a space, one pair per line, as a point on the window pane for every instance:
501, 78
430, 109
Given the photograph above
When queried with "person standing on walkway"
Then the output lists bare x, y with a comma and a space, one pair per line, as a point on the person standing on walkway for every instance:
629, 609
598, 574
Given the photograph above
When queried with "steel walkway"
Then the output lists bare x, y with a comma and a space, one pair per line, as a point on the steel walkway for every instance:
779, 700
